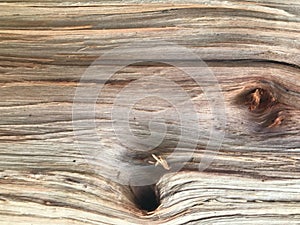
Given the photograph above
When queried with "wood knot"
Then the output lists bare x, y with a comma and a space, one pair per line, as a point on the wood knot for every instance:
262, 101
259, 99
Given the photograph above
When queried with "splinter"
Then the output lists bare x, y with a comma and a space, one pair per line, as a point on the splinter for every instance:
161, 161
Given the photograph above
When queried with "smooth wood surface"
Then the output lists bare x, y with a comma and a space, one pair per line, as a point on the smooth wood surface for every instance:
253, 49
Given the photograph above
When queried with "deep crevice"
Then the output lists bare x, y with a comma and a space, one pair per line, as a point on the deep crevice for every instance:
146, 197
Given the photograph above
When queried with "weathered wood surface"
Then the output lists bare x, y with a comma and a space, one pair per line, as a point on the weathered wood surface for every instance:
252, 47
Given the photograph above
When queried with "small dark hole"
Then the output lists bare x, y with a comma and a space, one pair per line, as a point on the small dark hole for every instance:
146, 198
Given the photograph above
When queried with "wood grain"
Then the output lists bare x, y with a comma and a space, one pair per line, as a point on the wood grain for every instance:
252, 48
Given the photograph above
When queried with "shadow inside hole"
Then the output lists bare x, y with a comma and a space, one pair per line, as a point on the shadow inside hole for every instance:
146, 197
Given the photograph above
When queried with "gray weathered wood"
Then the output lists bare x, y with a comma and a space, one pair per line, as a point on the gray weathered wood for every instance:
252, 47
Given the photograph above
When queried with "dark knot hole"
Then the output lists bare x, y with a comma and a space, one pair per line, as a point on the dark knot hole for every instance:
146, 197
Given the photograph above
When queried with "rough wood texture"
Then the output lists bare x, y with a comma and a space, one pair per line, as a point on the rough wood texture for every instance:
252, 47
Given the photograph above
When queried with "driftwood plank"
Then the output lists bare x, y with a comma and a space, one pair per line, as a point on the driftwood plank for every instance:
251, 47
